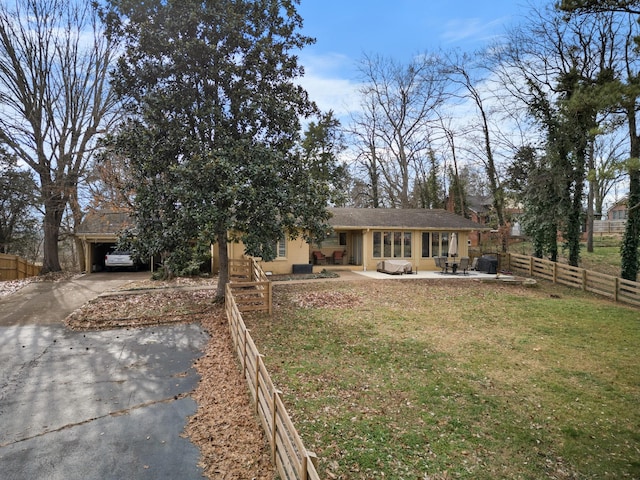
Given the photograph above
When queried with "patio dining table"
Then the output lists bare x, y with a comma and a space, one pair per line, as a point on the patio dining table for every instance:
453, 265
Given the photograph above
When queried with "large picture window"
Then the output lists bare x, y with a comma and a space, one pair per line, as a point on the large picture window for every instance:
392, 244
435, 244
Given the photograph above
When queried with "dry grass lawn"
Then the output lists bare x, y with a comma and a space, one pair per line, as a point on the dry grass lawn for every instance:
415, 379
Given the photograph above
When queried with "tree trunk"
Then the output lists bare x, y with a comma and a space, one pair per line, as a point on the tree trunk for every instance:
76, 211
51, 227
223, 273
590, 200
631, 240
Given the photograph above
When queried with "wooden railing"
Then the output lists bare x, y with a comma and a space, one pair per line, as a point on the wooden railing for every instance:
616, 288
251, 288
13, 267
288, 454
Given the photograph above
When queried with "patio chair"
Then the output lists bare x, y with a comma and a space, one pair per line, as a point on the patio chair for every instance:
464, 264
319, 258
442, 263
474, 264
338, 256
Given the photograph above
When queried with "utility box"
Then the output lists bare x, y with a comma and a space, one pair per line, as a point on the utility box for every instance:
302, 268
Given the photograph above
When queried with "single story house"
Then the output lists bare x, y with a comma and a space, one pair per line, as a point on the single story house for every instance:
361, 238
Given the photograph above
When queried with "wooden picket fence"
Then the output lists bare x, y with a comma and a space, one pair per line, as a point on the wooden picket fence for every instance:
616, 288
13, 267
251, 288
288, 454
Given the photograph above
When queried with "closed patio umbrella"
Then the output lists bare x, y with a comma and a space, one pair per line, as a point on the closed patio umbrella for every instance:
453, 245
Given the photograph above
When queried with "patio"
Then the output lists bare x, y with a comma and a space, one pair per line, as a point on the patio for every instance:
426, 274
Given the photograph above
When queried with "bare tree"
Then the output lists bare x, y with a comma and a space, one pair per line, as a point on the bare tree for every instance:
363, 134
56, 100
470, 86
399, 104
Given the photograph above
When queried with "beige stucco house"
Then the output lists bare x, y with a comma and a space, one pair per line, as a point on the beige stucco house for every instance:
358, 240
361, 238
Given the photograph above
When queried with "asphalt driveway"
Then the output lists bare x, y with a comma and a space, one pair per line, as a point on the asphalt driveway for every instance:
93, 405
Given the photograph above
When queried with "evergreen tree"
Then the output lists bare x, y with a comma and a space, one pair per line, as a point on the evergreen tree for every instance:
213, 121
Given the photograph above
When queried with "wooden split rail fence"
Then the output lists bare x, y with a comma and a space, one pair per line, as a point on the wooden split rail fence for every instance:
288, 454
13, 267
616, 288
250, 286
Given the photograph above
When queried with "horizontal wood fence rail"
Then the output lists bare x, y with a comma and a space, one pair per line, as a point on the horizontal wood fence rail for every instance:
13, 267
615, 288
251, 288
288, 454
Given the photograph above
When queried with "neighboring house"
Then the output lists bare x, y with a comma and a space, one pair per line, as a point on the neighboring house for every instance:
618, 211
360, 238
616, 220
479, 208
99, 234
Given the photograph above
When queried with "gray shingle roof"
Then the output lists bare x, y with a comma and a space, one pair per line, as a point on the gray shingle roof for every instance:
418, 218
104, 222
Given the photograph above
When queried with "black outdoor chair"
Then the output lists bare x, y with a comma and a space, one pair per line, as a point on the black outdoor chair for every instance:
464, 264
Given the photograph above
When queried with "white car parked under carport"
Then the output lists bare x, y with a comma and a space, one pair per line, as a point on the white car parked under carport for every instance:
118, 259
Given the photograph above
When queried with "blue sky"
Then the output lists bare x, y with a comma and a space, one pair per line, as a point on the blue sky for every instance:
347, 29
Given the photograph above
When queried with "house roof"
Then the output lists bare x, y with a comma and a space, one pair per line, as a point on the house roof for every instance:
480, 203
416, 218
104, 222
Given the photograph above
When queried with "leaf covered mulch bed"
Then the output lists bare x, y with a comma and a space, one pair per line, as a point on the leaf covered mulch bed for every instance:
225, 429
142, 309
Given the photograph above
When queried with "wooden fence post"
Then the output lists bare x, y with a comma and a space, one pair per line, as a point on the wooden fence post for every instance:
616, 286
304, 474
531, 266
257, 380
584, 279
274, 426
244, 352
555, 272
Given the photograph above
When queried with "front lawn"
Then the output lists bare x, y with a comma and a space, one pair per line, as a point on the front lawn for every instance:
419, 379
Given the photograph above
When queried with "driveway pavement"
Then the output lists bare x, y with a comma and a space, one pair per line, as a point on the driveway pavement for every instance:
93, 405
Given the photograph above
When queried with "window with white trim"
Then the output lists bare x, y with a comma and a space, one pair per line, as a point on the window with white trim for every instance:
392, 244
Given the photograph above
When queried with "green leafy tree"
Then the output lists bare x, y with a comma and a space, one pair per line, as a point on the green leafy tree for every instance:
322, 145
213, 125
566, 66
531, 182
623, 89
592, 6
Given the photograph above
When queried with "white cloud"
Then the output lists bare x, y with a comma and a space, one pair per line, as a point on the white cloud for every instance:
475, 30
326, 80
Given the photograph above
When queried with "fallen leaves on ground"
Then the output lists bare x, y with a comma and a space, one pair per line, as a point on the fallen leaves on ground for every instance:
143, 309
232, 443
333, 299
9, 287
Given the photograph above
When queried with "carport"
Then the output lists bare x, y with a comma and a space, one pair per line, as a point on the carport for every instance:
99, 233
